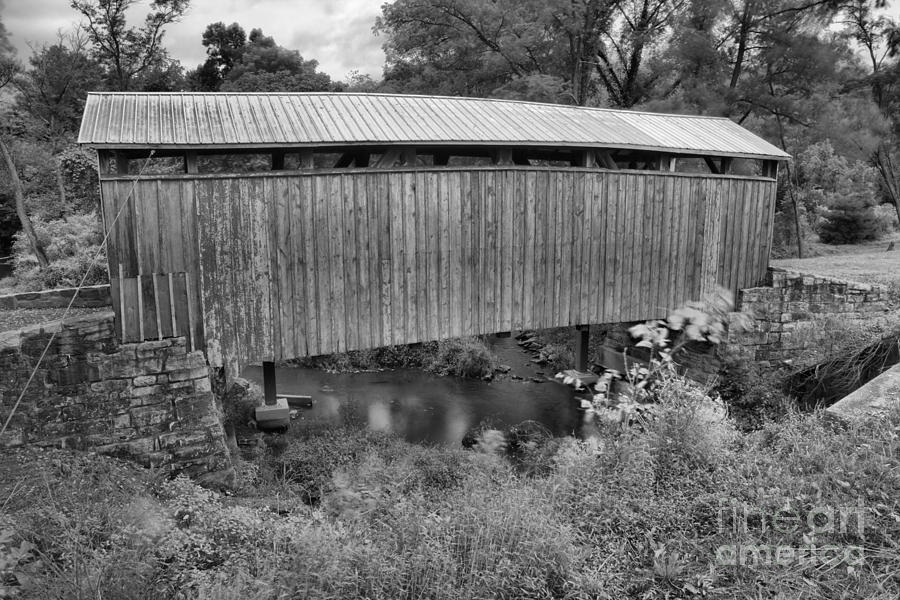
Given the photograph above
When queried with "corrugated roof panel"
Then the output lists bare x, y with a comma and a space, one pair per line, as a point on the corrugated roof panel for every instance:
176, 120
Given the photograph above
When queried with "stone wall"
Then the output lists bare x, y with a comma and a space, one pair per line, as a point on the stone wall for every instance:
149, 402
790, 318
93, 296
795, 313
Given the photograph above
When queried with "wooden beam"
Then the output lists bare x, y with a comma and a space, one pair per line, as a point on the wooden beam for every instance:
667, 162
713, 167
409, 157
502, 156
582, 341
345, 160
604, 158
306, 159
190, 162
121, 161
389, 159
269, 383
770, 168
584, 158
726, 164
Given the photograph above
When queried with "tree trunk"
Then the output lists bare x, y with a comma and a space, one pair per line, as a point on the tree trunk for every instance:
881, 158
20, 206
60, 182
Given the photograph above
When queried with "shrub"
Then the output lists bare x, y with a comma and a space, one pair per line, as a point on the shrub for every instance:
752, 394
71, 244
849, 219
689, 430
842, 193
310, 462
463, 357
412, 356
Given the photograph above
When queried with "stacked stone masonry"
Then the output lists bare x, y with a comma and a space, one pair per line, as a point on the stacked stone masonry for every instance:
94, 296
793, 312
149, 402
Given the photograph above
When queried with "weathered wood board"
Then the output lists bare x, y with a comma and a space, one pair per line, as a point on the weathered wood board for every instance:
287, 264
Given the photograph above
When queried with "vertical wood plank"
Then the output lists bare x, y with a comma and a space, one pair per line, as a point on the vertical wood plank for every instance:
337, 271
362, 236
399, 309
432, 207
350, 251
307, 247
529, 210
506, 220
456, 224
444, 253
323, 267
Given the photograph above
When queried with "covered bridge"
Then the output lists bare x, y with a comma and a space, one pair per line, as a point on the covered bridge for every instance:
272, 226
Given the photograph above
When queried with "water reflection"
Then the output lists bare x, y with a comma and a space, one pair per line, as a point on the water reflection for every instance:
425, 408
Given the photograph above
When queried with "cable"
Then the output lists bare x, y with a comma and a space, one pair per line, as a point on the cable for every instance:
75, 295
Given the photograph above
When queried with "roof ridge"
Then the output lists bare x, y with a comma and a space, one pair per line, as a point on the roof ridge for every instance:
423, 96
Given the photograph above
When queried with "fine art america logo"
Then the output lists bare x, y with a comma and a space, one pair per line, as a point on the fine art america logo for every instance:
744, 521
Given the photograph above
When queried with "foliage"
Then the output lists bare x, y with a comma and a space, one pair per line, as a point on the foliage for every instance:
412, 356
79, 173
129, 55
753, 394
841, 192
238, 63
460, 357
638, 513
53, 88
71, 244
701, 321
463, 357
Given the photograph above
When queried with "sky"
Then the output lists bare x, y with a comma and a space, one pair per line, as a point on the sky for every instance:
337, 33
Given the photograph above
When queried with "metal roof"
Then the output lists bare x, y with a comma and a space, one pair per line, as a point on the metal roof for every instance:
222, 120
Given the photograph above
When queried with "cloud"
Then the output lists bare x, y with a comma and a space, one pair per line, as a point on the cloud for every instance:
337, 33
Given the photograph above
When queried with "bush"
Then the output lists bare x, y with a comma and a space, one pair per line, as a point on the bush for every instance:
635, 514
752, 394
71, 244
849, 220
463, 357
411, 356
842, 192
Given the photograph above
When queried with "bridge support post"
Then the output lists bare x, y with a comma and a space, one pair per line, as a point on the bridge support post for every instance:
275, 414
582, 341
269, 383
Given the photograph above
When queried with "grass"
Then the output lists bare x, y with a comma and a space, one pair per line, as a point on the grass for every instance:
867, 262
461, 357
642, 512
881, 268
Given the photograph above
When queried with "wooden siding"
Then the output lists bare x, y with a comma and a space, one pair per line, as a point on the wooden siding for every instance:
155, 234
154, 307
296, 264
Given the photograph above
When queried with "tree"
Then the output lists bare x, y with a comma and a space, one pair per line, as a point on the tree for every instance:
224, 48
639, 28
473, 48
54, 87
264, 66
879, 39
127, 53
8, 70
841, 193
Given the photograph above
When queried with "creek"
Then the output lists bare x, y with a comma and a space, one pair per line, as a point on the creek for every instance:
426, 408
